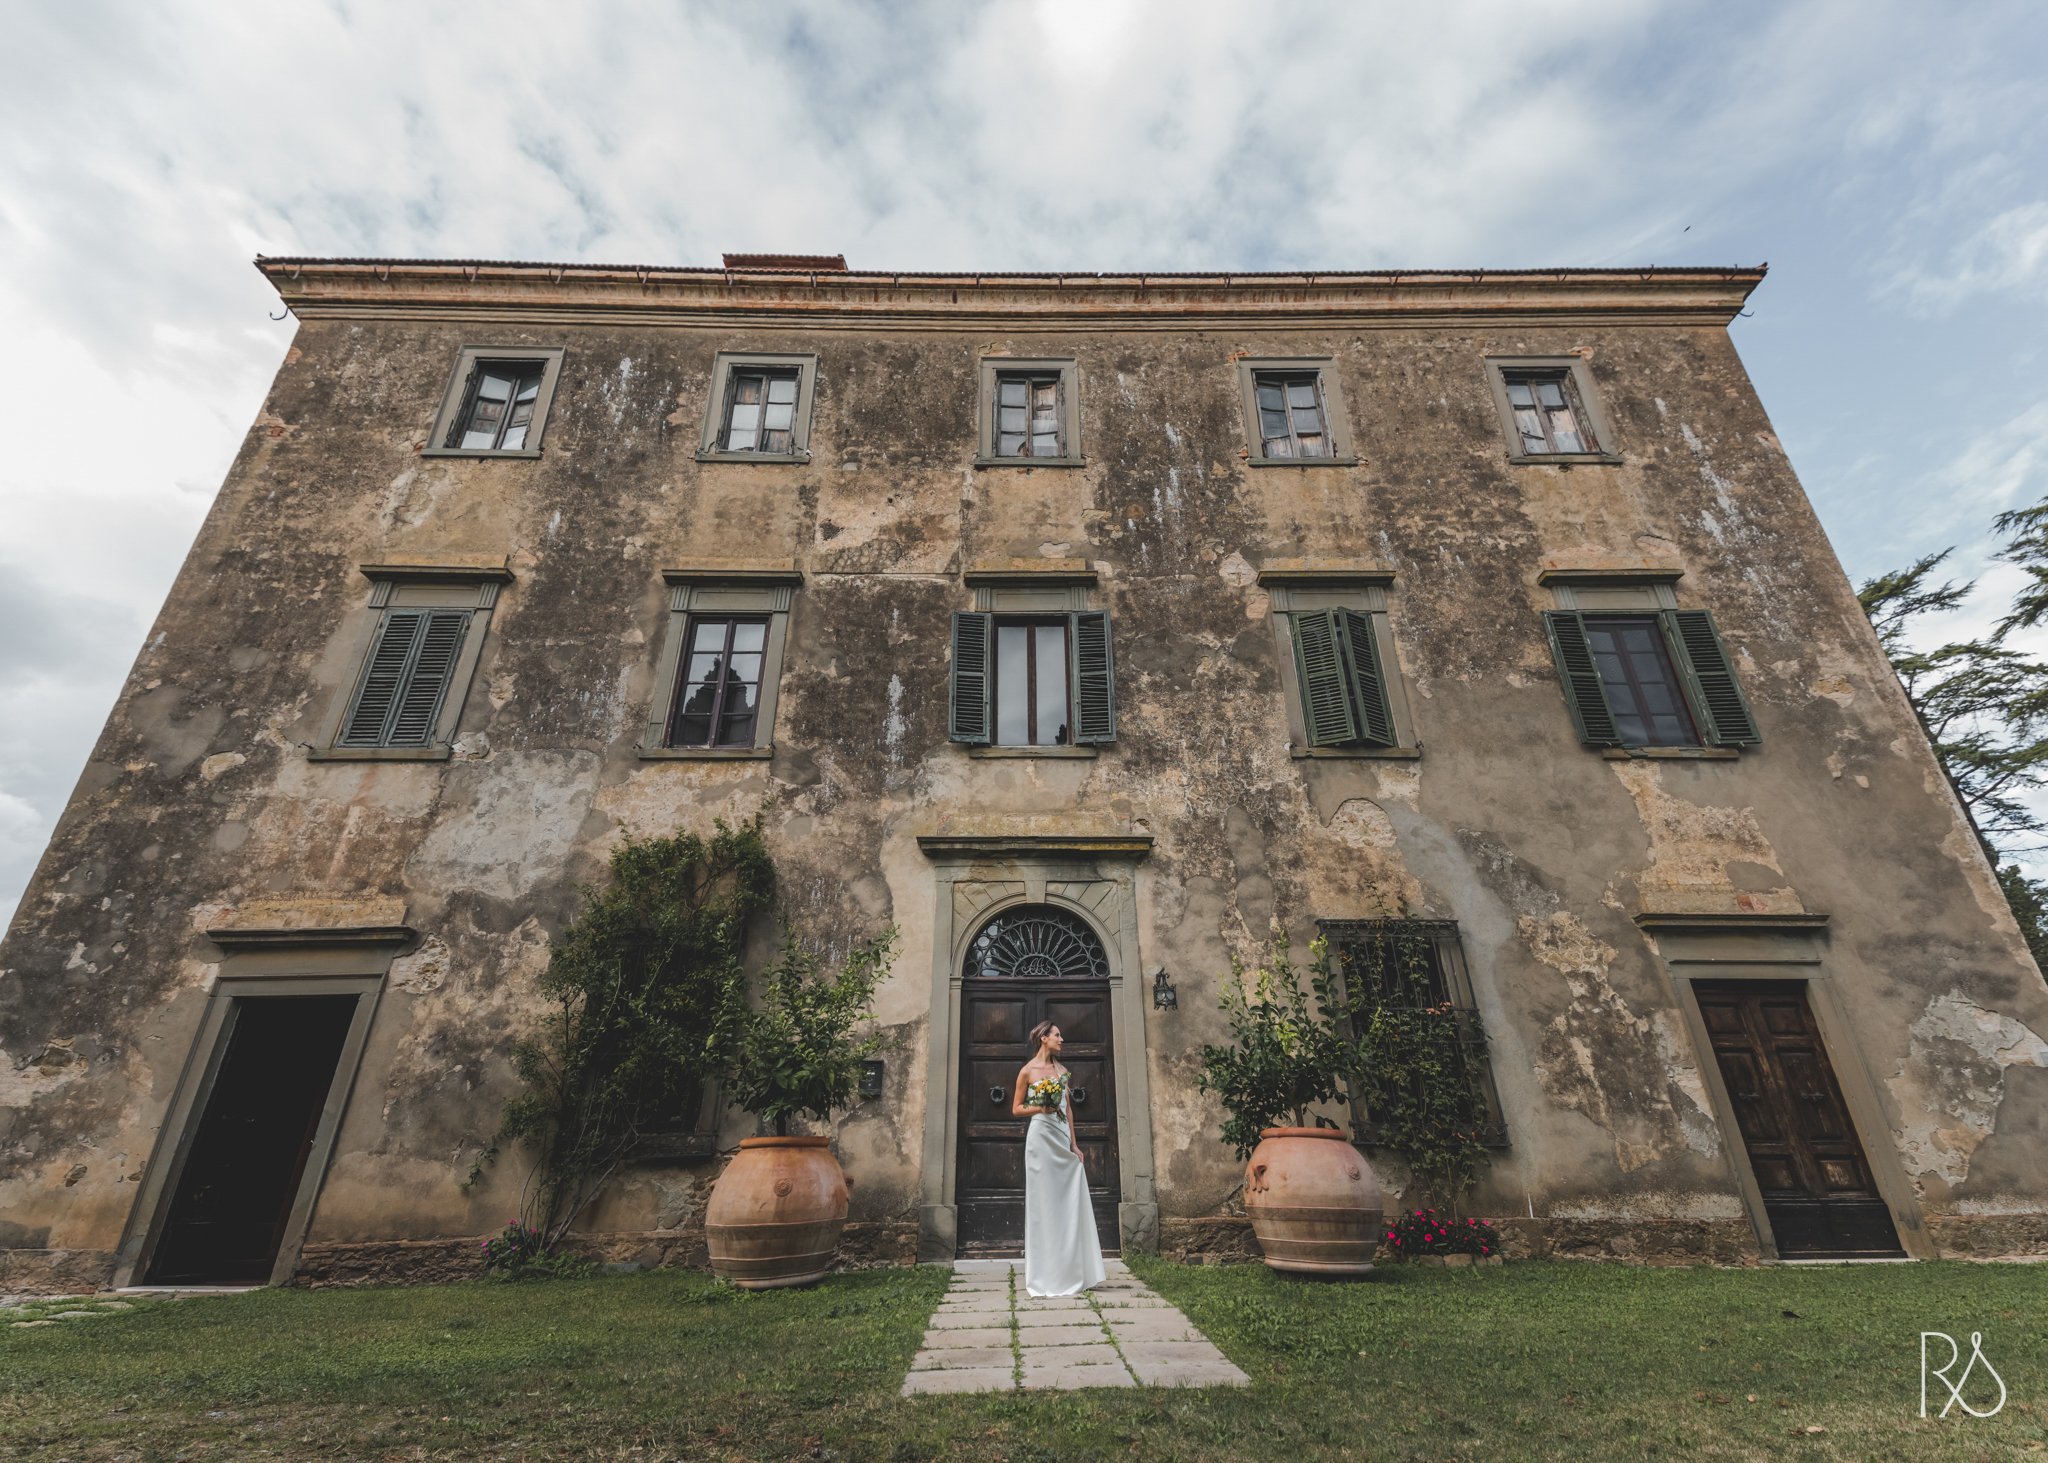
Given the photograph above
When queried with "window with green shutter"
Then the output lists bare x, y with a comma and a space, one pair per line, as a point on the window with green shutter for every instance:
1343, 685
1662, 678
424, 634
1032, 680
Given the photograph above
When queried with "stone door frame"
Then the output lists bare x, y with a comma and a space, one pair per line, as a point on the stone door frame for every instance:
259, 963
1786, 947
1094, 879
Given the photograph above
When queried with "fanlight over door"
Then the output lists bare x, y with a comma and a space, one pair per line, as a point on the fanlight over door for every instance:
1029, 964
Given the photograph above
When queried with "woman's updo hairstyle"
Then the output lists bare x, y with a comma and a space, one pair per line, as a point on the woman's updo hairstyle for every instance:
1039, 1033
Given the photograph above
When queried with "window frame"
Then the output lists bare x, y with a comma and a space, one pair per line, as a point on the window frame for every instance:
1580, 373
1364, 592
992, 370
1062, 623
1451, 983
718, 401
395, 588
468, 360
693, 594
1337, 420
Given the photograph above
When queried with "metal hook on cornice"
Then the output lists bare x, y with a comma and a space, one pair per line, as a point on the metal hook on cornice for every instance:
282, 314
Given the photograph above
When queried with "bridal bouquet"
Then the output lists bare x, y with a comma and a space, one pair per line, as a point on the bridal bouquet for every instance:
1046, 1092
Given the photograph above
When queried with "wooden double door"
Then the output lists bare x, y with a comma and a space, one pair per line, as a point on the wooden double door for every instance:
996, 1016
1817, 1188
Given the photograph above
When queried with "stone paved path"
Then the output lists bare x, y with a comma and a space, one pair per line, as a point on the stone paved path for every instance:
989, 1335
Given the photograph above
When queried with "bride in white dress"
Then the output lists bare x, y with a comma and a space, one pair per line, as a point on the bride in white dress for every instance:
1062, 1254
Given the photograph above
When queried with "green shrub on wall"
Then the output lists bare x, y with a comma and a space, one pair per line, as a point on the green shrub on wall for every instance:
647, 1002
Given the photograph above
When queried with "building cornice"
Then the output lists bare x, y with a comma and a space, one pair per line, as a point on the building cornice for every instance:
486, 291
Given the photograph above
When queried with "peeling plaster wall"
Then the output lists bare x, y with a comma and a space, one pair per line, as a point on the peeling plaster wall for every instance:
198, 796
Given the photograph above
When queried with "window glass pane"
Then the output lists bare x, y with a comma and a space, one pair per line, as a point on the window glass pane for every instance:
1045, 397
744, 668
529, 388
1279, 447
704, 667
1273, 423
741, 433
1519, 394
1011, 419
1052, 684
749, 637
1270, 396
1013, 724
515, 437
1531, 427
693, 722
708, 635
1045, 444
1301, 393
746, 387
1566, 432
736, 727
1550, 393
783, 389
1010, 392
778, 416
1010, 444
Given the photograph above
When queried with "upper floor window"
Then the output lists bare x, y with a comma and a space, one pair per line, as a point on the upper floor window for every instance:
760, 408
1638, 671
497, 402
424, 634
1294, 412
719, 663
1032, 668
1549, 410
1029, 413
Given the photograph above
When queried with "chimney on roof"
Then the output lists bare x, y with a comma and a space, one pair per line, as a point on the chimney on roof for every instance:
803, 263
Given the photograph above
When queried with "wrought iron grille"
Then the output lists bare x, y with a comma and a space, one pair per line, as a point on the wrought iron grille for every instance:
1036, 942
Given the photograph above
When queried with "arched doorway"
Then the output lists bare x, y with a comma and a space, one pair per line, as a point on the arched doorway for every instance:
1027, 964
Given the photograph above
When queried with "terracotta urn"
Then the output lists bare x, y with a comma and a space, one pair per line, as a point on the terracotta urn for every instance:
1313, 1202
776, 1213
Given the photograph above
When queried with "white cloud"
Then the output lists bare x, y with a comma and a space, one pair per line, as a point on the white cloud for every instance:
2008, 254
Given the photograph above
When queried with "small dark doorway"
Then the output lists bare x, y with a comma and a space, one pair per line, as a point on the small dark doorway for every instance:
1803, 1149
1037, 963
242, 1173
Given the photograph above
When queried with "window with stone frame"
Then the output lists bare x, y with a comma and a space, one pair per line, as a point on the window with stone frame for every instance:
1415, 964
1550, 410
719, 662
420, 649
759, 408
497, 402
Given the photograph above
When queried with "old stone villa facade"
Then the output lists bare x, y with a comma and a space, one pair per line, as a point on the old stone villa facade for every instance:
1086, 627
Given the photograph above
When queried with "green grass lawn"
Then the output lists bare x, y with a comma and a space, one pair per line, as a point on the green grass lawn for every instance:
1534, 1361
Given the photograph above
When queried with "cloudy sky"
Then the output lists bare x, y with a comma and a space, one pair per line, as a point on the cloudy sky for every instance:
1889, 160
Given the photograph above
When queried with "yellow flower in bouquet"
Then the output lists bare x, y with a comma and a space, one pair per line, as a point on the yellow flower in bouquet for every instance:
1046, 1092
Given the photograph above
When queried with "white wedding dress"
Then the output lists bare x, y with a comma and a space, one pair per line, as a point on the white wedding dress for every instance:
1062, 1254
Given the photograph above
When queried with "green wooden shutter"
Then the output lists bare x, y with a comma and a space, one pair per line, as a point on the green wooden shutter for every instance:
467, 404
1717, 701
1319, 658
1094, 678
383, 679
1368, 679
1583, 692
419, 705
973, 644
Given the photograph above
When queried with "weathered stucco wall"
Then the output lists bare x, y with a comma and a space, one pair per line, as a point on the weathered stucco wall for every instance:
199, 796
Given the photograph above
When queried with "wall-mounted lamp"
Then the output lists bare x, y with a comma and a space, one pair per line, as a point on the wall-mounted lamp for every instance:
870, 1079
1164, 996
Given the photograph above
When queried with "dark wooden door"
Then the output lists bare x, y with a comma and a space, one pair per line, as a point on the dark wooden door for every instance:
248, 1156
995, 1016
1803, 1149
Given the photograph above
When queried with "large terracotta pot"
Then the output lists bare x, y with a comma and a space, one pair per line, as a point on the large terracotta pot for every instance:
776, 1213
1313, 1202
